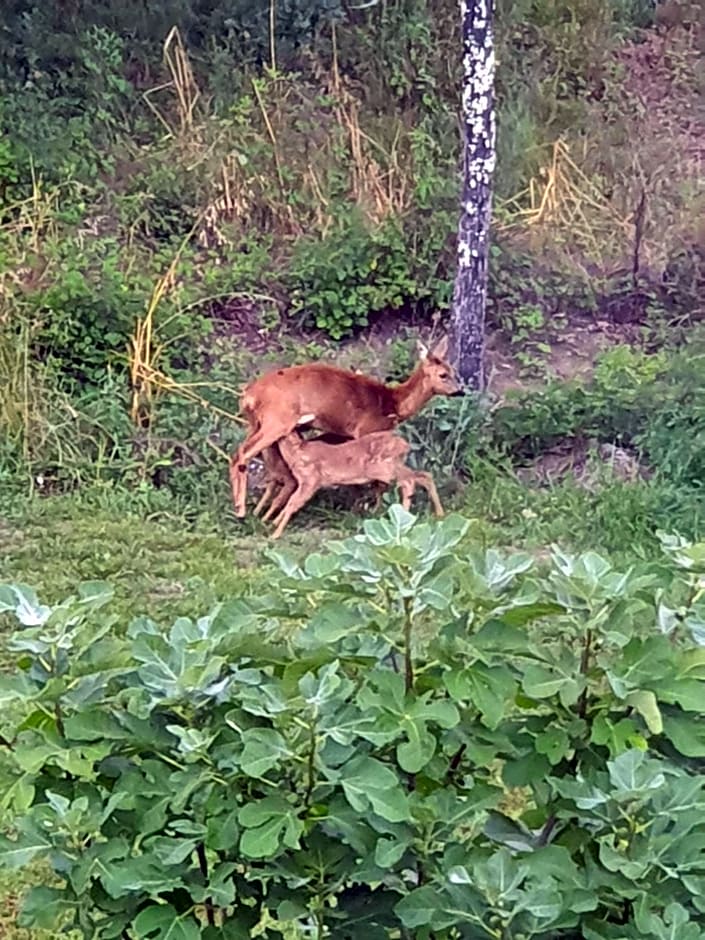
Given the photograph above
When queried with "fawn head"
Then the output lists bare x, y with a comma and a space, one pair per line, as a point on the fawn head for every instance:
438, 372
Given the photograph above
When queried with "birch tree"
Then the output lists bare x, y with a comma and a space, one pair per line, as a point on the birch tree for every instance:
469, 297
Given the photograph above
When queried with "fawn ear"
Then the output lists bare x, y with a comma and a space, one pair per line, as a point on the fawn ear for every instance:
440, 350
421, 350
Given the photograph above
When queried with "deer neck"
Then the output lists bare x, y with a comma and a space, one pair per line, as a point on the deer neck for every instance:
412, 395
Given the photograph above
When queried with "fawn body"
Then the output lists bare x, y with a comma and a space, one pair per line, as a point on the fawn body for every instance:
376, 457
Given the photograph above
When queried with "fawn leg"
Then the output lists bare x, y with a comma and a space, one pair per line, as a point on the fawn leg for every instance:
406, 488
277, 475
425, 480
302, 495
280, 499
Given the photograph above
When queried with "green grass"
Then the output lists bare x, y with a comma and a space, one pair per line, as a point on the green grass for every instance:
617, 519
165, 567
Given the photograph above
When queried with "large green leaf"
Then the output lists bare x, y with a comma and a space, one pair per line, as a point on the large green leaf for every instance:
161, 922
686, 732
554, 743
541, 682
418, 749
632, 774
490, 688
367, 781
617, 736
43, 907
263, 749
646, 704
17, 854
143, 874
330, 623
497, 877
220, 889
388, 852
23, 602
418, 908
268, 824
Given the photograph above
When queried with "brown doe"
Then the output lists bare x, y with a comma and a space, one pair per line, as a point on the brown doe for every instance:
332, 400
376, 457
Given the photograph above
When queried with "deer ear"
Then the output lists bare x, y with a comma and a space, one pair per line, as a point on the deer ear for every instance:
440, 351
421, 350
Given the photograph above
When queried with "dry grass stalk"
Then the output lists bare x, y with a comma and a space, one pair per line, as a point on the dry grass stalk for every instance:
563, 197
380, 193
155, 379
183, 83
142, 351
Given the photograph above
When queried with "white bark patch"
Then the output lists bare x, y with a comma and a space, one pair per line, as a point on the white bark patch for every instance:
478, 91
464, 255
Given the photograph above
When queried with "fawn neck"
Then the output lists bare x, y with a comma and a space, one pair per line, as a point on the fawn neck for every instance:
412, 395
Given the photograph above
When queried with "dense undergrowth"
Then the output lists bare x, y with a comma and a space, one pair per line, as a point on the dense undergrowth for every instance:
425, 739
187, 200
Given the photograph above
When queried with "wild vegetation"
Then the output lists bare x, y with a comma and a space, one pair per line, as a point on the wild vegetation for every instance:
191, 193
423, 742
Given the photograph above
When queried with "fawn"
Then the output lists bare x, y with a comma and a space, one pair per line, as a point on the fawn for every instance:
376, 457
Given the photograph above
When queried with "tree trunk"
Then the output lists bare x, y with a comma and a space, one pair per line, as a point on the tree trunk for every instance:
468, 314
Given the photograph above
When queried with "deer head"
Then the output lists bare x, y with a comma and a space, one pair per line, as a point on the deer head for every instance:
439, 374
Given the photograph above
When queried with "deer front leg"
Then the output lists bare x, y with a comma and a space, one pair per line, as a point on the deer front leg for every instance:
251, 447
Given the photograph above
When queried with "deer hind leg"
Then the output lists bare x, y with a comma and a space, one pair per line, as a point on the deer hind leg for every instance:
425, 480
408, 480
253, 445
407, 488
298, 499
379, 488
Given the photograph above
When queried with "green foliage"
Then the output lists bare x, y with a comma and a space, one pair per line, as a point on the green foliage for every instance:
84, 318
339, 282
520, 292
334, 756
652, 402
44, 37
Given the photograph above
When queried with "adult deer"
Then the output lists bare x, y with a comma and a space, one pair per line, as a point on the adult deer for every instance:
378, 457
334, 401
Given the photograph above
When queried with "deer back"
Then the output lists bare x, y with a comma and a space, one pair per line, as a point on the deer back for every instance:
328, 398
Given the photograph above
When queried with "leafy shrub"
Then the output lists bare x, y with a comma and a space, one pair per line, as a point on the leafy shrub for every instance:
615, 405
652, 402
44, 37
62, 125
673, 433
9, 174
338, 282
85, 315
406, 735
516, 283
